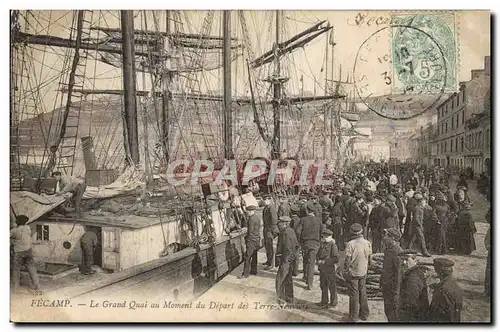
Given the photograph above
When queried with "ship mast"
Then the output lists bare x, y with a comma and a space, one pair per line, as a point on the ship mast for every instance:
131, 135
226, 54
166, 98
277, 81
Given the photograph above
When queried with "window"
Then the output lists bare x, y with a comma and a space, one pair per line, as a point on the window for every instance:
452, 122
463, 116
463, 96
445, 146
451, 146
487, 138
452, 103
461, 144
446, 127
42, 233
481, 139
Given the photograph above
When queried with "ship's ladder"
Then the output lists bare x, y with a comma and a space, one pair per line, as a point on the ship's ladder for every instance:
75, 97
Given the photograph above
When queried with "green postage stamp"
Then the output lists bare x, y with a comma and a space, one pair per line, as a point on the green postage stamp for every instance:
424, 52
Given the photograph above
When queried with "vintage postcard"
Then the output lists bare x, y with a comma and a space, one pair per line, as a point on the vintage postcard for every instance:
250, 166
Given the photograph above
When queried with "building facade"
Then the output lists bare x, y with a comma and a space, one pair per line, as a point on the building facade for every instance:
478, 143
454, 113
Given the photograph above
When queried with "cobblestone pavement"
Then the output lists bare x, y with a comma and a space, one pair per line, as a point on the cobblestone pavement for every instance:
259, 291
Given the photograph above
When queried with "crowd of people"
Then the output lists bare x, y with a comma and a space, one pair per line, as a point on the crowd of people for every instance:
403, 212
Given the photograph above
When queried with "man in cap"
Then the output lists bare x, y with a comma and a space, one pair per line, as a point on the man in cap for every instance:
447, 300
417, 225
286, 252
20, 237
358, 253
390, 280
252, 240
328, 256
414, 297
310, 237
294, 224
270, 218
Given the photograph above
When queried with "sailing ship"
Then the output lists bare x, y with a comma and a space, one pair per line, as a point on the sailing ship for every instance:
149, 231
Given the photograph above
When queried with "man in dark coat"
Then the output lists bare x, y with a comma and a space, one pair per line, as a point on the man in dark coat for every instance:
358, 210
294, 224
410, 207
414, 297
390, 280
252, 241
401, 205
417, 225
88, 242
328, 256
375, 224
338, 223
286, 250
447, 300
318, 209
270, 219
310, 237
326, 204
284, 207
391, 219
465, 230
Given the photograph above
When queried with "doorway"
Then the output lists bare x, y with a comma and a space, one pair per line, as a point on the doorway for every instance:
98, 247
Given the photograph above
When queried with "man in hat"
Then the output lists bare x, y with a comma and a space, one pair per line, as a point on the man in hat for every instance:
74, 185
284, 207
286, 251
294, 224
20, 237
328, 256
487, 244
358, 253
310, 237
414, 297
411, 202
447, 300
417, 225
252, 241
270, 219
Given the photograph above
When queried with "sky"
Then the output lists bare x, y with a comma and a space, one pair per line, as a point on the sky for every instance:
306, 67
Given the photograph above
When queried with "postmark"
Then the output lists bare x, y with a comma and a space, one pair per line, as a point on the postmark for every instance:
406, 43
400, 72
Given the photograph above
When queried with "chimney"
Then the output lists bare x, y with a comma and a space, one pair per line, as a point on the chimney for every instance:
487, 65
88, 152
